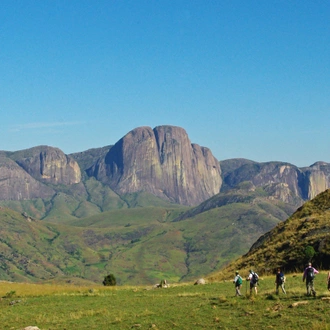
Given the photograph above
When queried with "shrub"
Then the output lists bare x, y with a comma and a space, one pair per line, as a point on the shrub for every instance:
109, 280
9, 294
309, 252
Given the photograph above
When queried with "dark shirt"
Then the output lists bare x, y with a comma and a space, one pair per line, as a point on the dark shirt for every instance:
305, 272
278, 278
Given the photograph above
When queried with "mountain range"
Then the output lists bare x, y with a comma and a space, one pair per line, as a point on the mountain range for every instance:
151, 205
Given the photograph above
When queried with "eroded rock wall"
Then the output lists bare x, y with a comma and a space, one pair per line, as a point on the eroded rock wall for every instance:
17, 184
49, 164
161, 161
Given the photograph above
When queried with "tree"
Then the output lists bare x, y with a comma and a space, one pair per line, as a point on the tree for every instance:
109, 280
309, 253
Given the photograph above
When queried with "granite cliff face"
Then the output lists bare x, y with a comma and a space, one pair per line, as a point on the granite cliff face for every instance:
161, 161
316, 179
48, 164
282, 180
17, 184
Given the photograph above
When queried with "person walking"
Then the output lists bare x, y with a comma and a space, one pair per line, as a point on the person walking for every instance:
279, 281
253, 278
238, 283
328, 281
309, 275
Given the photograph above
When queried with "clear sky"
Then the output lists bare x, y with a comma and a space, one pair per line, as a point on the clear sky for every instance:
247, 79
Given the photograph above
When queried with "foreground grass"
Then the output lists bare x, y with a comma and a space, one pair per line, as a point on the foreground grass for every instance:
212, 306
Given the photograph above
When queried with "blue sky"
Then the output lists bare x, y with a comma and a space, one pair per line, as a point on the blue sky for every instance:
247, 79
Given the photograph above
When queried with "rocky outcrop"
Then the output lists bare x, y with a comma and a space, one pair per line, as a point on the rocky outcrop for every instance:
262, 174
161, 161
284, 181
17, 184
282, 192
48, 164
316, 179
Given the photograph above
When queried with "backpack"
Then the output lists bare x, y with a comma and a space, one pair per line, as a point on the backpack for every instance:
255, 278
282, 279
239, 281
310, 274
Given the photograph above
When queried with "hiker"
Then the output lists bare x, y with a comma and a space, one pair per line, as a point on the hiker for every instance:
328, 281
253, 278
279, 281
238, 283
309, 274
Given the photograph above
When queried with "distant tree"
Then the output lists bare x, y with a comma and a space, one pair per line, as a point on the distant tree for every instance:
109, 280
309, 253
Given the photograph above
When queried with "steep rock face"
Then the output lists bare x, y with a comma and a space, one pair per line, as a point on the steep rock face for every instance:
49, 164
316, 179
16, 184
163, 162
287, 182
282, 192
262, 174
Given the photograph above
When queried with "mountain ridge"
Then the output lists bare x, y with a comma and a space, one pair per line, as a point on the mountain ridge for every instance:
291, 244
161, 161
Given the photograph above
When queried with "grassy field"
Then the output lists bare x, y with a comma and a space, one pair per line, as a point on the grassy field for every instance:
184, 306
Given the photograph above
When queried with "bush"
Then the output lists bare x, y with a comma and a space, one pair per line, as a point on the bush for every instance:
309, 253
109, 280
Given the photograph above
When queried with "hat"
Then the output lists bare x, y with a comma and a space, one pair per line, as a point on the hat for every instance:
236, 272
251, 271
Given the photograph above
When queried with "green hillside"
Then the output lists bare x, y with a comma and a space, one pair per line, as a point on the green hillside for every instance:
83, 200
140, 244
303, 237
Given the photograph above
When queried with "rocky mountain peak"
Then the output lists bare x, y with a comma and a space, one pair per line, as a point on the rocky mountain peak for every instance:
161, 161
49, 164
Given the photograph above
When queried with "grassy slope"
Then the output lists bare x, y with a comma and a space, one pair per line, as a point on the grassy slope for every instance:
82, 201
180, 250
34, 251
210, 306
40, 250
284, 245
143, 244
